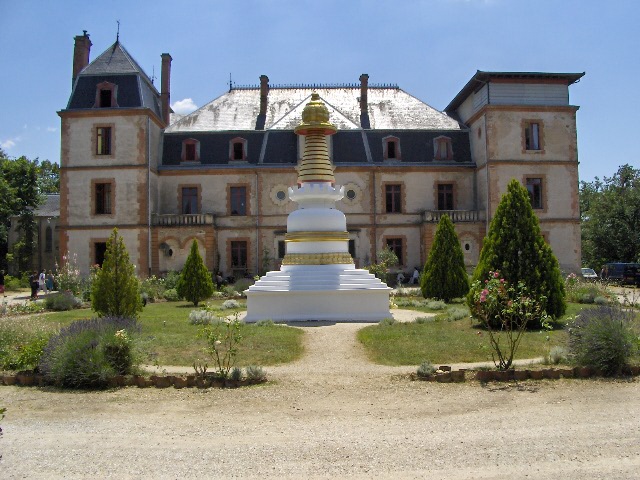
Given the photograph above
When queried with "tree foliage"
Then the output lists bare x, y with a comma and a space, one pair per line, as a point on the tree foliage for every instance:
115, 290
195, 282
444, 275
610, 211
515, 248
386, 259
22, 185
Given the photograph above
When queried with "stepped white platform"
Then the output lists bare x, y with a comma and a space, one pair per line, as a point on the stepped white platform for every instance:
338, 293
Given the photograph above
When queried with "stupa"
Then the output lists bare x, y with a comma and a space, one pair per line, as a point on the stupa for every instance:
318, 279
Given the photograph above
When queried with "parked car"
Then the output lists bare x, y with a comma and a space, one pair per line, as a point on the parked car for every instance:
589, 274
624, 273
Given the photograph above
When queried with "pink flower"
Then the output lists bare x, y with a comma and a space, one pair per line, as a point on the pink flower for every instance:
485, 292
502, 280
496, 274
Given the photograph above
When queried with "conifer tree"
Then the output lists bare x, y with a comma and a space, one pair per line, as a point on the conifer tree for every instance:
195, 282
515, 247
444, 276
115, 290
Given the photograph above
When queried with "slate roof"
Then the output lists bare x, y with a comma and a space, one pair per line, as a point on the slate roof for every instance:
50, 207
115, 65
388, 108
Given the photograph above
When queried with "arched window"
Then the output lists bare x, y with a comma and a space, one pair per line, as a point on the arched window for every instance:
48, 240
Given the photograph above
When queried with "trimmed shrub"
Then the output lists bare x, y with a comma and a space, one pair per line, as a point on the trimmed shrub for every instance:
387, 321
88, 352
436, 305
21, 345
60, 302
115, 290
171, 295
557, 355
195, 282
153, 287
444, 276
515, 247
265, 323
201, 317
255, 373
603, 338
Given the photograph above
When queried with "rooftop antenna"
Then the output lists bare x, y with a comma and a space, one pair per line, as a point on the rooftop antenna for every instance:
230, 82
153, 74
118, 33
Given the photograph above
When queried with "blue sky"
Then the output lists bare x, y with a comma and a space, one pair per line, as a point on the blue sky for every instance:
430, 48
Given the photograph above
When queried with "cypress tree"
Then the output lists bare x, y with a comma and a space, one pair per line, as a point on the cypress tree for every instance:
195, 282
115, 290
515, 247
444, 275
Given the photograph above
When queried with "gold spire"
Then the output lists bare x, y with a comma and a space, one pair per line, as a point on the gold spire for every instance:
315, 165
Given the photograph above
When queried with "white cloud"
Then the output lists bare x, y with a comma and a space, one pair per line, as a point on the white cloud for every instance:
184, 107
52, 129
9, 143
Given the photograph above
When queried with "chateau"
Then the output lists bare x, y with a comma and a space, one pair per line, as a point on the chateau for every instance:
221, 174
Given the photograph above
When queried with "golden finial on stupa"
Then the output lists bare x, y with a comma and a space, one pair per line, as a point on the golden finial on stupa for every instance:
316, 165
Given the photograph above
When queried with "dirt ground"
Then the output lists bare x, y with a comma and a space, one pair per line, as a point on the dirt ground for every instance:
332, 414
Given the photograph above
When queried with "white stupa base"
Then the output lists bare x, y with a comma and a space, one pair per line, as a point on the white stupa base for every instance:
339, 293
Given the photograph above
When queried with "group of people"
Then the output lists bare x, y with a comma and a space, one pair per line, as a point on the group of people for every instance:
414, 280
40, 282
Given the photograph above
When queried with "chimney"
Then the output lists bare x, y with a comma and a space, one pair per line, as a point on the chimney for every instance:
165, 87
364, 102
81, 51
264, 94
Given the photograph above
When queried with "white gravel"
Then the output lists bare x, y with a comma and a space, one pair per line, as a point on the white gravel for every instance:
332, 414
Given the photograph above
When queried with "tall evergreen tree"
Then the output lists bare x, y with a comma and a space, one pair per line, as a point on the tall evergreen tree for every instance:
444, 275
115, 290
515, 247
195, 282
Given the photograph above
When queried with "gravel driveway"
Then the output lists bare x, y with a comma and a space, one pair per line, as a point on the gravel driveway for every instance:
330, 415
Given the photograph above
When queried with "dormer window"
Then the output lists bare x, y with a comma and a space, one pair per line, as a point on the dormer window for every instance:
238, 149
190, 150
106, 95
391, 148
442, 149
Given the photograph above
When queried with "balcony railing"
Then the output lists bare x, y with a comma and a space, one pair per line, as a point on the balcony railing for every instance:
456, 216
182, 220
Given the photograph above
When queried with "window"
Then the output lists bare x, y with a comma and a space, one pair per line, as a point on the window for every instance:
391, 148
103, 198
239, 254
99, 249
190, 150
532, 136
48, 240
442, 149
534, 186
103, 143
106, 94
445, 196
395, 245
238, 149
190, 200
238, 200
281, 249
393, 198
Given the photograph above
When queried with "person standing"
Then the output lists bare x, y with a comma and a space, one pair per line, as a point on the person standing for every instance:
415, 277
33, 281
42, 282
50, 281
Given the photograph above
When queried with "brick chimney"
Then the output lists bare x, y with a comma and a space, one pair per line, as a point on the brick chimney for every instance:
364, 102
81, 52
264, 94
165, 87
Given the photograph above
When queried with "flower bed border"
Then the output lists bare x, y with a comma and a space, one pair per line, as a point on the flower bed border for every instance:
140, 381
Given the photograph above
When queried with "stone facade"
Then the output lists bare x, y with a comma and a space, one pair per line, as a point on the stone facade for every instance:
220, 175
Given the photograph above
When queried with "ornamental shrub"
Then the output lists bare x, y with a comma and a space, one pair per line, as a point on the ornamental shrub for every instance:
88, 352
115, 290
444, 276
60, 302
195, 282
171, 295
515, 247
604, 338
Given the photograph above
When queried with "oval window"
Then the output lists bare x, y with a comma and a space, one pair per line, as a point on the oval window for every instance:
281, 195
351, 194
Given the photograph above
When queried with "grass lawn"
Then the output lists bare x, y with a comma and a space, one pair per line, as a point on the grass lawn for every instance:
445, 341
170, 339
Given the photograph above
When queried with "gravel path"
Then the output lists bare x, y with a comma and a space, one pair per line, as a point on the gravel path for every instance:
332, 414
